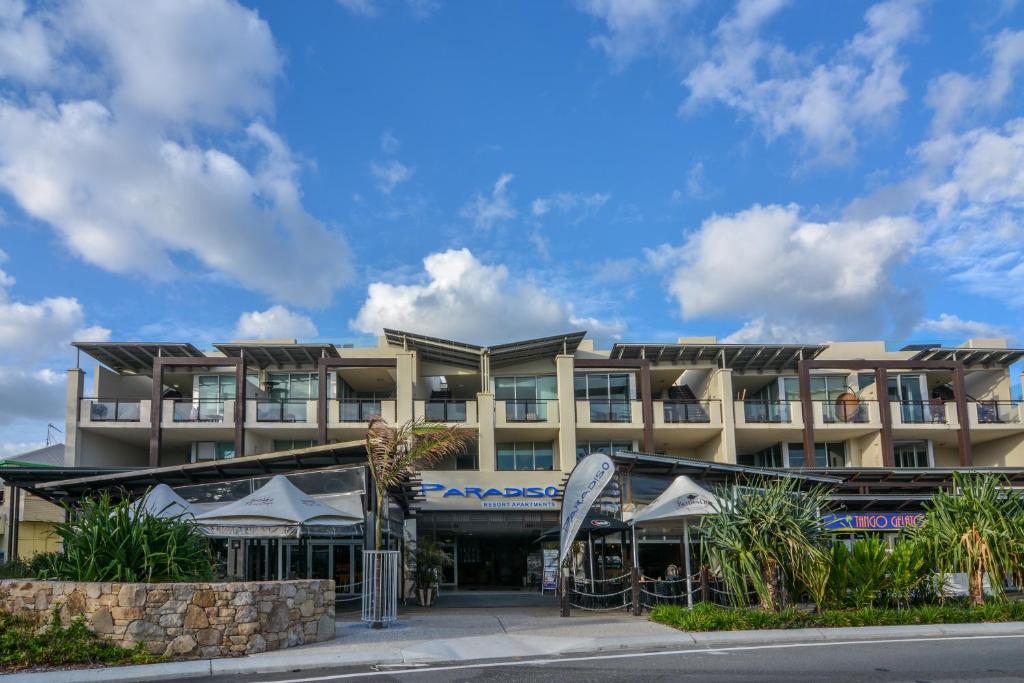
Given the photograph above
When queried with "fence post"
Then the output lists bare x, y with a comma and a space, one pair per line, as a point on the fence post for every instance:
705, 588
634, 576
566, 588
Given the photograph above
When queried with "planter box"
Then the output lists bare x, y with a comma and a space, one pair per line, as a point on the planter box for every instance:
185, 620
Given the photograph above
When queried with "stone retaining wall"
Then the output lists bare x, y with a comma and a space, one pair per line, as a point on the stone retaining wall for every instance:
185, 620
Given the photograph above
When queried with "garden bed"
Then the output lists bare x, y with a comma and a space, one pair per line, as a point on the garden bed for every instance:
708, 617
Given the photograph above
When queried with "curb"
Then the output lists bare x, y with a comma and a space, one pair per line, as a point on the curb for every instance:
303, 661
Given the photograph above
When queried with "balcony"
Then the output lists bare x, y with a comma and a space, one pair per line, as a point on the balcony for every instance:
451, 410
923, 413
181, 411
610, 414
768, 413
523, 413
685, 412
285, 410
357, 412
109, 412
997, 414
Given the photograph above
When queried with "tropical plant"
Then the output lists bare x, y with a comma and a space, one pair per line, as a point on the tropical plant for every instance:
906, 571
32, 568
867, 564
427, 562
839, 575
107, 540
393, 452
768, 531
978, 528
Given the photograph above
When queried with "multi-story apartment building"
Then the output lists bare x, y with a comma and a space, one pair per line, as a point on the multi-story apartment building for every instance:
538, 405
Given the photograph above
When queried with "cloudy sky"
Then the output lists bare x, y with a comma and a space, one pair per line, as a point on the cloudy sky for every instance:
642, 169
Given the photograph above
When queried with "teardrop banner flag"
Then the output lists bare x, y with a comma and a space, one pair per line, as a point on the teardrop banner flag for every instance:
585, 484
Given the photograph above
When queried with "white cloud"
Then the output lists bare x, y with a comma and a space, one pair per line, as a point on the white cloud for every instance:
390, 174
780, 331
277, 322
116, 171
461, 298
769, 263
583, 205
389, 144
955, 96
822, 104
950, 326
24, 52
634, 26
420, 9
31, 395
487, 211
366, 8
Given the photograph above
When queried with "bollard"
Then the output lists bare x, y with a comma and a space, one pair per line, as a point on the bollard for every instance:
634, 576
705, 588
566, 589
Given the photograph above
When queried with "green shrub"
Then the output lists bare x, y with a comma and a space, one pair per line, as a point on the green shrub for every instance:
107, 541
867, 566
21, 646
709, 617
906, 571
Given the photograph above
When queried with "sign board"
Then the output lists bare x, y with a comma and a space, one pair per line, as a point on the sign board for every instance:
585, 484
872, 521
550, 581
490, 491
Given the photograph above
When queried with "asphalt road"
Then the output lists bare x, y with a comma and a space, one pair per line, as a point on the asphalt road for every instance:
983, 658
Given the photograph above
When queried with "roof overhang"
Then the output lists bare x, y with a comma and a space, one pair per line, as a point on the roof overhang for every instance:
469, 355
972, 358
673, 466
135, 357
267, 355
738, 357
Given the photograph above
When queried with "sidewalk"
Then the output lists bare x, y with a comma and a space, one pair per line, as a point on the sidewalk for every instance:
428, 636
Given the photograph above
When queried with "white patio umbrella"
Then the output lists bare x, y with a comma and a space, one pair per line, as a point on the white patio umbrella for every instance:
163, 501
683, 499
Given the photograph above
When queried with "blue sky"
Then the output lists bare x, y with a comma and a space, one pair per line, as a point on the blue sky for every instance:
643, 169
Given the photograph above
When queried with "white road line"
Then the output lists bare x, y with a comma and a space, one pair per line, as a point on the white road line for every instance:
629, 655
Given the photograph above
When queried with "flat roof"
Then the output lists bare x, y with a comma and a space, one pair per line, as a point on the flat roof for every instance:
135, 357
267, 355
972, 358
741, 357
468, 355
692, 467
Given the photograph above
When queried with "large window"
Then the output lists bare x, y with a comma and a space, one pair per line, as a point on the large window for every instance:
766, 457
609, 394
911, 454
289, 392
585, 448
525, 455
460, 461
526, 397
829, 454
205, 451
291, 444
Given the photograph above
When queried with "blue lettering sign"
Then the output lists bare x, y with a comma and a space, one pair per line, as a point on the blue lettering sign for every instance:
474, 491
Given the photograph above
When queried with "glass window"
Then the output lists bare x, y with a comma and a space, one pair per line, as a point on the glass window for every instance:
791, 388
291, 444
618, 387
543, 457
205, 451
826, 455
506, 456
504, 388
526, 388
585, 448
525, 456
766, 457
911, 454
602, 386
547, 388
865, 380
597, 387
579, 383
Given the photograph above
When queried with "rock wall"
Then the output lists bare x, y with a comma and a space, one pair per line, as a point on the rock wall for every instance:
185, 620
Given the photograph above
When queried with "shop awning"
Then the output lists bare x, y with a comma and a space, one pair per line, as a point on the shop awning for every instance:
162, 501
683, 499
279, 510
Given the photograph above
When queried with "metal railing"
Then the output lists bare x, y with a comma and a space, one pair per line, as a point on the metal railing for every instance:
843, 412
281, 410
359, 410
687, 412
380, 587
526, 410
611, 410
197, 410
114, 410
767, 411
922, 412
445, 410
1000, 412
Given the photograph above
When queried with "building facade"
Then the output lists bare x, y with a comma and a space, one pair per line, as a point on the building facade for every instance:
538, 405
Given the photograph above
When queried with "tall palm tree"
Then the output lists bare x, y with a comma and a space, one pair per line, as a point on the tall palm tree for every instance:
978, 529
393, 452
769, 533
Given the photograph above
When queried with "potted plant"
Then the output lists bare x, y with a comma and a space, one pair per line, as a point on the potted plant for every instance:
428, 560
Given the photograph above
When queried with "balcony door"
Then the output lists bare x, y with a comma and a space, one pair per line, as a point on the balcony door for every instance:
526, 396
910, 391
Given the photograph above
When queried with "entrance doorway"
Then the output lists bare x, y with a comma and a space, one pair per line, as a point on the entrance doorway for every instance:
495, 562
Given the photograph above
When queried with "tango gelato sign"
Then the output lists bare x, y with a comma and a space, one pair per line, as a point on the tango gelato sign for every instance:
872, 521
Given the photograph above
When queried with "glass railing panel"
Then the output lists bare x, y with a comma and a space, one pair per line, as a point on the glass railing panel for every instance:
766, 411
198, 410
526, 410
359, 410
923, 412
1000, 412
114, 410
844, 412
694, 412
445, 411
610, 411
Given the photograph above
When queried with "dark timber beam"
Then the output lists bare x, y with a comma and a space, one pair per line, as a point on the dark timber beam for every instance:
807, 410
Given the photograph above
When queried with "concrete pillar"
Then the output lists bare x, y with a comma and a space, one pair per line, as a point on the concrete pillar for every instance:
727, 451
72, 443
486, 458
405, 387
565, 372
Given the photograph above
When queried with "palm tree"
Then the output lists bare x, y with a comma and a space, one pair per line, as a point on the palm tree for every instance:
393, 452
978, 529
769, 532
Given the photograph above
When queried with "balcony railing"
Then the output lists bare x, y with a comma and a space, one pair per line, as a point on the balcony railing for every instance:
114, 410
687, 412
282, 410
359, 410
1000, 412
445, 411
843, 412
526, 410
197, 410
922, 412
611, 410
763, 412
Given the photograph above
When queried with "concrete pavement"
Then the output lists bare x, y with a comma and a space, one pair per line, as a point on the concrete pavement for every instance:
461, 635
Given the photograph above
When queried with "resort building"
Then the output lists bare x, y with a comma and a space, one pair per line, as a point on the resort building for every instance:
884, 426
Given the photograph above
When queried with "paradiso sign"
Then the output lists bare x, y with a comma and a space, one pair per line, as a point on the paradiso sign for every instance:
508, 497
872, 521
